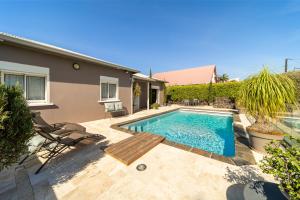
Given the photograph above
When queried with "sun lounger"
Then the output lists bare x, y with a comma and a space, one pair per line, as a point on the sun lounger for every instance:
57, 128
59, 144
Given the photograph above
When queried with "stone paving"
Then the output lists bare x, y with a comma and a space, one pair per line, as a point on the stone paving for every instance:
172, 173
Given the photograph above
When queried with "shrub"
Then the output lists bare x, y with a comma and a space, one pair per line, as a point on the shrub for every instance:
164, 92
265, 94
284, 164
155, 106
210, 95
295, 76
202, 91
15, 125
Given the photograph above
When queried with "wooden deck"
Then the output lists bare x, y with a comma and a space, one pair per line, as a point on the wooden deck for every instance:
132, 148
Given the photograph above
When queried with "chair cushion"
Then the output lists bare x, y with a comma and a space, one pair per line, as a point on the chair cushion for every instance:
73, 126
35, 143
109, 107
118, 106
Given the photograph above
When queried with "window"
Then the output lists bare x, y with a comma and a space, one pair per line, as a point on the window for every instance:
112, 93
109, 88
34, 80
13, 80
34, 87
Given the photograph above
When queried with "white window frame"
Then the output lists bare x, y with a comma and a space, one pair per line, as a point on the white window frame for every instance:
28, 70
109, 80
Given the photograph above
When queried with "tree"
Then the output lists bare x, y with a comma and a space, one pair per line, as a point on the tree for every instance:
16, 127
150, 73
224, 78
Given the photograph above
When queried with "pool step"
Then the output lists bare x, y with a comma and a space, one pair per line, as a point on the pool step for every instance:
132, 148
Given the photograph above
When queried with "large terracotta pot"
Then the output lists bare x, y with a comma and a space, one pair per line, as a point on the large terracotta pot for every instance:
258, 141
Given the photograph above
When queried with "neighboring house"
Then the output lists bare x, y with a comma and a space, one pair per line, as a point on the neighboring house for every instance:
197, 75
68, 86
234, 80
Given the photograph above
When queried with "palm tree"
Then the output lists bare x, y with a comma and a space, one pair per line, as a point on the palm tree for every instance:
224, 77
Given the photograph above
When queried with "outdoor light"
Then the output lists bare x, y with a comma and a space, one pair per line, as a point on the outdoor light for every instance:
76, 66
141, 167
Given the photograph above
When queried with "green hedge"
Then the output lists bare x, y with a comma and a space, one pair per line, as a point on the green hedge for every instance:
201, 92
296, 77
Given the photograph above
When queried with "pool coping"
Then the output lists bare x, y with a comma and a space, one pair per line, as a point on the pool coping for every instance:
240, 148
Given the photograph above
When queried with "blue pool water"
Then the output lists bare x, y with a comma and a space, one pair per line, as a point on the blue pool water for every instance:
213, 133
292, 122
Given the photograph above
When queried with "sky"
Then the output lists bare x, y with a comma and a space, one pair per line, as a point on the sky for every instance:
238, 36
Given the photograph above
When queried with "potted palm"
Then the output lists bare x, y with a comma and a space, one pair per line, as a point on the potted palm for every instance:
137, 90
263, 96
137, 93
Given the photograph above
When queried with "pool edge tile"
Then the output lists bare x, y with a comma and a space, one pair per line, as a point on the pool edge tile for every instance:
236, 160
201, 152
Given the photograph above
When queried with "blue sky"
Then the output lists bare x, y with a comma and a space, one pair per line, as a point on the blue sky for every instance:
238, 36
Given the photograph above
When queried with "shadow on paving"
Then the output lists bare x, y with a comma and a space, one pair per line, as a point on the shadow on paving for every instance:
249, 185
59, 170
66, 166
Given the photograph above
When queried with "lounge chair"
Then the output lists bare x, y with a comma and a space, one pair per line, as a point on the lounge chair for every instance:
61, 129
56, 145
186, 102
36, 144
195, 102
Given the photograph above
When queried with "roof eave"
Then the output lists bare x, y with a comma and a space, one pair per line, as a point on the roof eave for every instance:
60, 51
141, 78
148, 79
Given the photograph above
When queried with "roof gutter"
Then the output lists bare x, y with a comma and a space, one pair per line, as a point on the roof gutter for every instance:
149, 79
53, 49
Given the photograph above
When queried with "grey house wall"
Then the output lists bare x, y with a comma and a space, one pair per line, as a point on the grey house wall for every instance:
74, 93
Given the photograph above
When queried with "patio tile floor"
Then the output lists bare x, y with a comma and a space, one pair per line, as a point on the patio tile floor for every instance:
172, 173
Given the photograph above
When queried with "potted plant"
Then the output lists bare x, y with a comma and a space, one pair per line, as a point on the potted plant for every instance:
137, 90
263, 96
284, 165
155, 106
136, 93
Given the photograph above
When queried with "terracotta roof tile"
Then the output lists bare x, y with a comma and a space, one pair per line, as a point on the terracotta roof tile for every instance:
197, 75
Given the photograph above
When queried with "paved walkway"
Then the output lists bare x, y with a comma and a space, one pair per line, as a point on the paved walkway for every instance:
88, 173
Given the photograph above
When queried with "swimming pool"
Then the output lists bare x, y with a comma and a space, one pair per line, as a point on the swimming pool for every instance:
292, 122
207, 131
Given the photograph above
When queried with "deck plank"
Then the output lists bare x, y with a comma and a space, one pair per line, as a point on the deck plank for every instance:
125, 144
132, 148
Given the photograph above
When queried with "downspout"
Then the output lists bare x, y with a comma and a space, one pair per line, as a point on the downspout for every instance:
148, 100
